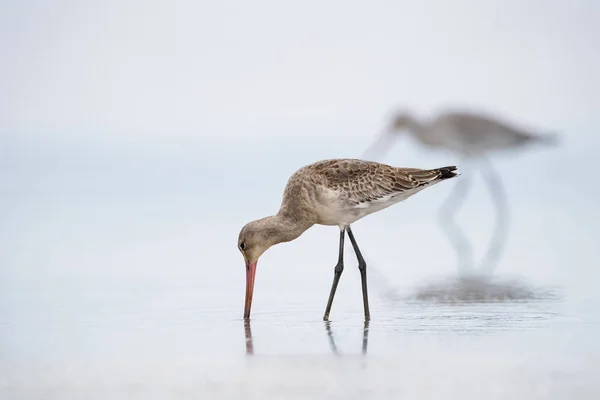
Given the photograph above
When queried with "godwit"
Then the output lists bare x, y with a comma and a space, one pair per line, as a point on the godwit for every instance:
471, 136
332, 192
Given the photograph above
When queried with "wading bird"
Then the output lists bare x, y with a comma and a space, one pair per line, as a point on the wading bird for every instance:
332, 192
472, 136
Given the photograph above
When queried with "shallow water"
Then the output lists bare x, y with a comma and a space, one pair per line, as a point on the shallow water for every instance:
115, 285
159, 339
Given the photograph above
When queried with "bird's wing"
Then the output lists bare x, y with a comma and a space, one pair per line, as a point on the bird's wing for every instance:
365, 183
473, 126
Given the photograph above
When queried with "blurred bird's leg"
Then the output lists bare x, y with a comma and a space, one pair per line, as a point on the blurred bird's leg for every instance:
379, 147
500, 235
446, 215
384, 284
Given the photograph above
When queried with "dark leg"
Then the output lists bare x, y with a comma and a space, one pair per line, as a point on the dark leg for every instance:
337, 272
362, 267
499, 238
453, 232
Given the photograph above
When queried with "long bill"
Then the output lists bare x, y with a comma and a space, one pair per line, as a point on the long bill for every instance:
250, 274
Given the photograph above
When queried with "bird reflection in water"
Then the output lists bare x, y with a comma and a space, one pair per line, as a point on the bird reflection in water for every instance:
248, 335
328, 330
334, 349
332, 344
365, 341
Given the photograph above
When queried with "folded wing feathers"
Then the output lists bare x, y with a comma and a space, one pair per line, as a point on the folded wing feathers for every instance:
366, 183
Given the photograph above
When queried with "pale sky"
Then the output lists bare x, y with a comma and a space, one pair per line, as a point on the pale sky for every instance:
145, 71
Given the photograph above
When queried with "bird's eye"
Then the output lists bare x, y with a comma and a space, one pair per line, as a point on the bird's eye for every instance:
242, 246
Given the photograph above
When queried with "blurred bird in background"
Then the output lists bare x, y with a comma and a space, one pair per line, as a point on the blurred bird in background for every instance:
473, 137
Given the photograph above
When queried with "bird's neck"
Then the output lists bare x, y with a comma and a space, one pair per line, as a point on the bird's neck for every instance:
424, 133
416, 127
284, 228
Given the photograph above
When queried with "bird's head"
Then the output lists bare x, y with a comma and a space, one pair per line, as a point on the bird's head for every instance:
255, 238
400, 122
403, 121
258, 236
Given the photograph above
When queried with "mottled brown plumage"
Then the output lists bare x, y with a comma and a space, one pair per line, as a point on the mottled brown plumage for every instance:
332, 192
359, 182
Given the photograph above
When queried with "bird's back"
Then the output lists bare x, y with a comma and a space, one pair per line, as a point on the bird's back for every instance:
477, 133
339, 191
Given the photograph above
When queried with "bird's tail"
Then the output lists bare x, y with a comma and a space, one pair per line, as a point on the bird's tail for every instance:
428, 176
447, 172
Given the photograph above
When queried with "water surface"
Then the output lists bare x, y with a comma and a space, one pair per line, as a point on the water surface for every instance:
122, 281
